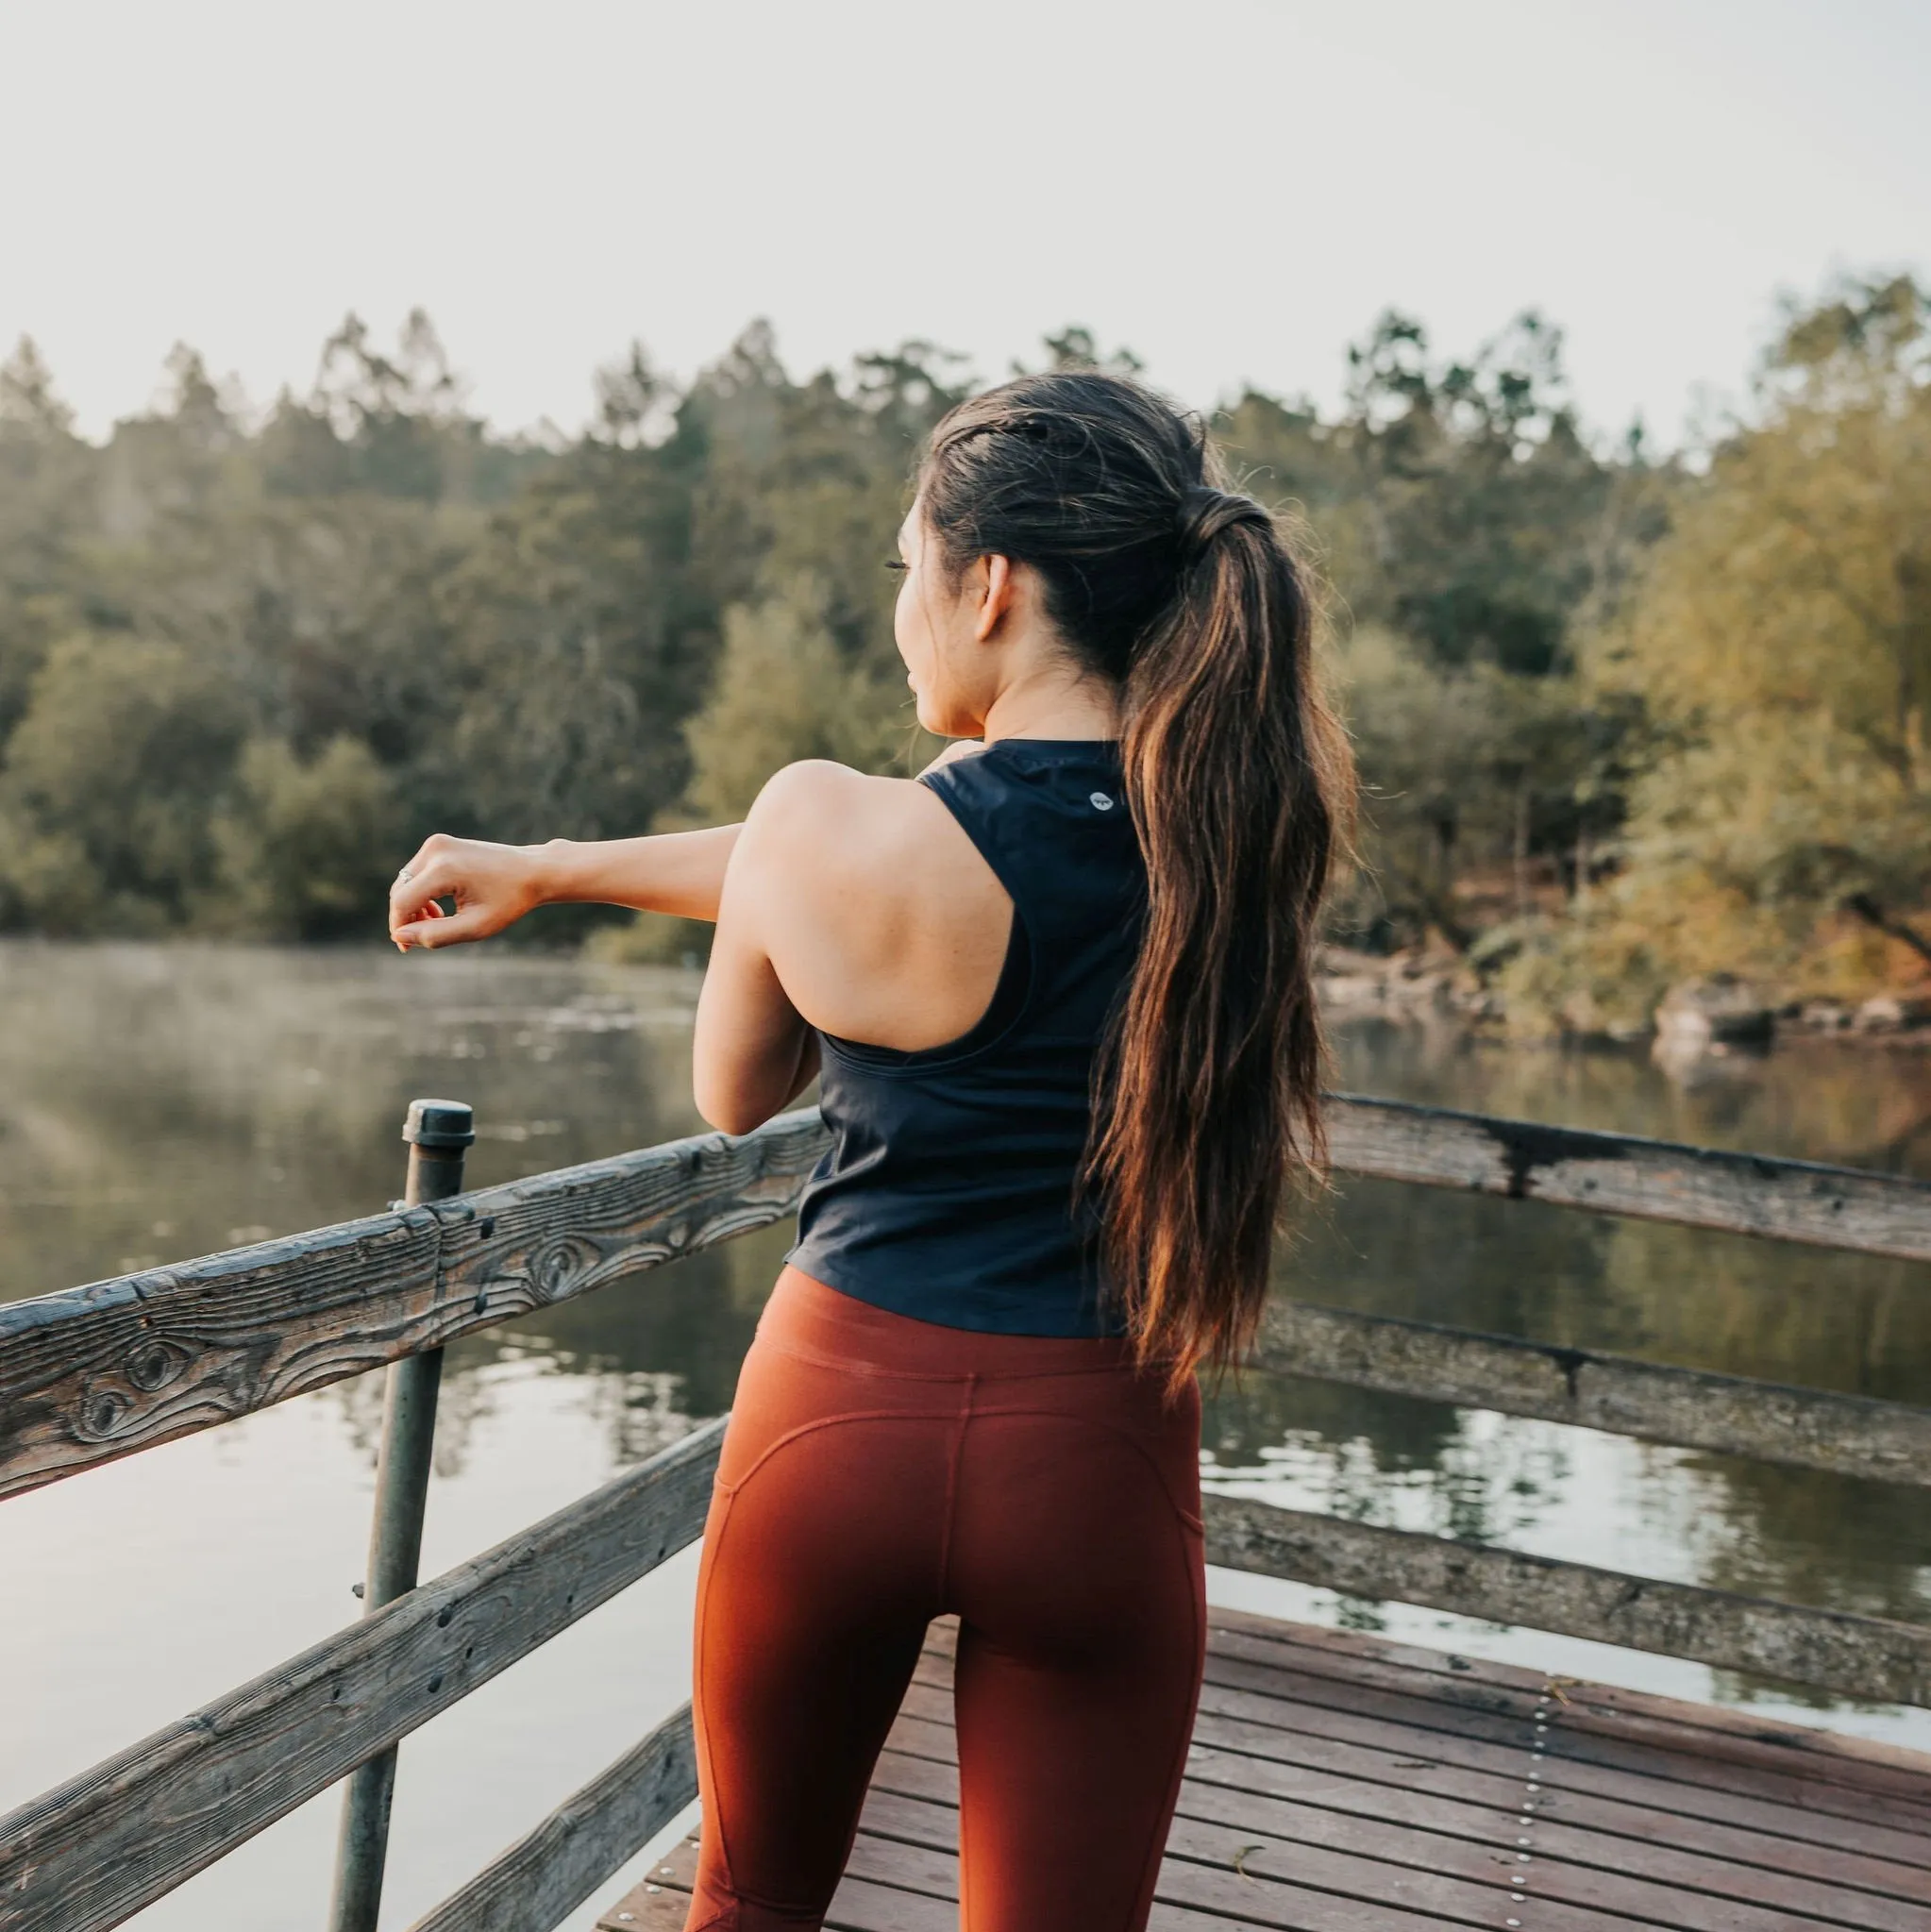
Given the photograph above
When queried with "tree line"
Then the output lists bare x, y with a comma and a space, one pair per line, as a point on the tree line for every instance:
1620, 717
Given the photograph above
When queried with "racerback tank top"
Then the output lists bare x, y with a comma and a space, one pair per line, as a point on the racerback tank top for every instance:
948, 1193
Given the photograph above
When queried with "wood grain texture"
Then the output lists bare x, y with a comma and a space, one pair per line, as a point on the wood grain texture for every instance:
1698, 1812
1217, 1824
94, 1850
100, 1372
1325, 1758
1414, 1837
662, 1903
1857, 1656
1810, 1812
1814, 1828
1847, 1435
1621, 1173
894, 1885
1793, 1764
542, 1878
1584, 1866
1820, 1761
1811, 1794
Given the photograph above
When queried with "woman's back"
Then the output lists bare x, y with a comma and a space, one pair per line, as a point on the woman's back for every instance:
950, 1192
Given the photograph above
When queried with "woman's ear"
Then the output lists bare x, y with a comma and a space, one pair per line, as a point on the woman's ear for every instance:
995, 596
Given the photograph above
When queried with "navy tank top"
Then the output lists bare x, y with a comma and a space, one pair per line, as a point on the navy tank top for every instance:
949, 1192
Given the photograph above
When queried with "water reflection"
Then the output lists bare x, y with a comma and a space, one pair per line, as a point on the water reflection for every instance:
161, 1102
1709, 1300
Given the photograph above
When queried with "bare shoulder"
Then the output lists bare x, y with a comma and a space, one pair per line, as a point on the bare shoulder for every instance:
821, 793
830, 824
877, 912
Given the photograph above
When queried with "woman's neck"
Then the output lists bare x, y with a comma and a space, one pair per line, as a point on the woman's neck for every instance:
1053, 706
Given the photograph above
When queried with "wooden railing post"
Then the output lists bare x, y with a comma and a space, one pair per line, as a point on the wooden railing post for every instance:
439, 1134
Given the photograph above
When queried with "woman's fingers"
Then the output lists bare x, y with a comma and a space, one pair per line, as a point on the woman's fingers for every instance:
489, 883
425, 878
405, 930
438, 928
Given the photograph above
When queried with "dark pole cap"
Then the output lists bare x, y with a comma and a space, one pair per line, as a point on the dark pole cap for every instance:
440, 1124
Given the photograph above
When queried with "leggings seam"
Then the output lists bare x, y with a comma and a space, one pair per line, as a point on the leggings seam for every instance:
713, 1543
854, 1366
1149, 1867
1127, 1435
817, 1423
739, 1895
950, 1509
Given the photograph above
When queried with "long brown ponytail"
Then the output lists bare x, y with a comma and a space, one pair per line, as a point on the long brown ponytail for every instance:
1239, 776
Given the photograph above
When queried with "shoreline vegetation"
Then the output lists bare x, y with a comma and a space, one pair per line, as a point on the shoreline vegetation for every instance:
1716, 1015
1642, 733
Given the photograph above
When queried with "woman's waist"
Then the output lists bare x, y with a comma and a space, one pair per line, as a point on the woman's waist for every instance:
808, 1318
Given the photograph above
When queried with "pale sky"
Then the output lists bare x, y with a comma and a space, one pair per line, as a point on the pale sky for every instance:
1233, 187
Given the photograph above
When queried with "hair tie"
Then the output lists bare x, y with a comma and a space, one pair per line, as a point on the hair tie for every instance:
1204, 514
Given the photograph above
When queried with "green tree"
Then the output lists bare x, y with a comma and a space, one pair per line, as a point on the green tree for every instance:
1781, 641
47, 478
785, 691
304, 849
110, 786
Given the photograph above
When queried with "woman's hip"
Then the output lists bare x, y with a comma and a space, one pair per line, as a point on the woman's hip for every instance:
857, 1381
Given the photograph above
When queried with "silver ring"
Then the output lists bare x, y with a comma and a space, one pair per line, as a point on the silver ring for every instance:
403, 877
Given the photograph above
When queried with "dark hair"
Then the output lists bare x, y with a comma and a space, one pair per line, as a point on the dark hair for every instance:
1240, 784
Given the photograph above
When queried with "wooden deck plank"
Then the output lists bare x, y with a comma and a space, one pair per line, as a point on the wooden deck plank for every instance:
1290, 1764
1692, 1803
1345, 1862
884, 1889
1201, 1869
916, 1800
1842, 1769
1649, 1884
861, 1904
1676, 1813
1802, 1749
1721, 1863
1571, 1737
1655, 1884
1697, 1788
1344, 1868
1380, 1788
1339, 1783
1836, 1770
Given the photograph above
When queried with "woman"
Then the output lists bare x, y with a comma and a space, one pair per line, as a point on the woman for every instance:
1057, 994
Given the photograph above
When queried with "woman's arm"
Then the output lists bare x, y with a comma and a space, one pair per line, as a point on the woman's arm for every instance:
753, 1052
794, 912
495, 885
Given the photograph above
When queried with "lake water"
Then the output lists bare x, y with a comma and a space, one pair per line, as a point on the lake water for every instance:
158, 1102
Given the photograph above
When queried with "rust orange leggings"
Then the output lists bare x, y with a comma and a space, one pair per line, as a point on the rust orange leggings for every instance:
879, 1473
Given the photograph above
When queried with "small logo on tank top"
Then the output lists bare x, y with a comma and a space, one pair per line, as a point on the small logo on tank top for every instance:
1099, 801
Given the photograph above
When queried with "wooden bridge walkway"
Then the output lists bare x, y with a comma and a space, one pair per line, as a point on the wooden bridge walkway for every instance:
1337, 1784
1345, 1784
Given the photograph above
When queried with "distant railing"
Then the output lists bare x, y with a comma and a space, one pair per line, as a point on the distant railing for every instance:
104, 1371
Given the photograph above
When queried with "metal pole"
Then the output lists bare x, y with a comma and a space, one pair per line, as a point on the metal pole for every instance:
438, 1133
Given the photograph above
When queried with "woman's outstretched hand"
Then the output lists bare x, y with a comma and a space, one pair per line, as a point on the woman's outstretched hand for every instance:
492, 887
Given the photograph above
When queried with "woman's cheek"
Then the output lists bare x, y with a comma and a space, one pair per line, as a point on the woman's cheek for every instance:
905, 626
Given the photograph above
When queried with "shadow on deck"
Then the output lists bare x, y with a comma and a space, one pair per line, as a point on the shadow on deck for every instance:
1339, 1783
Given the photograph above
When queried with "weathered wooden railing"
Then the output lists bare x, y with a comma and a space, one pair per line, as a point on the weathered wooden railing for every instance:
104, 1371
